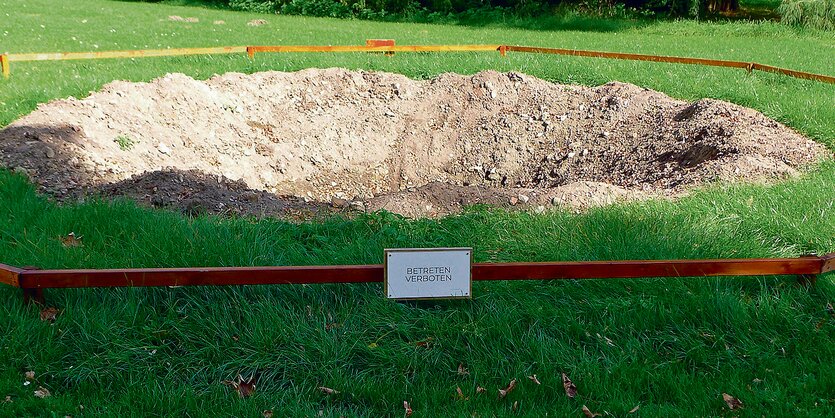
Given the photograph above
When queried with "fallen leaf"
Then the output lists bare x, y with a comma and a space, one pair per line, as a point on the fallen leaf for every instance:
71, 240
328, 391
635, 409
244, 388
461, 393
508, 389
570, 389
49, 314
256, 22
480, 389
425, 343
733, 403
830, 309
42, 392
534, 379
332, 325
30, 376
268, 413
407, 408
8, 399
588, 412
515, 406
372, 345
462, 371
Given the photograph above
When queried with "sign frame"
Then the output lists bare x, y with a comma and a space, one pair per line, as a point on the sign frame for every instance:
388, 251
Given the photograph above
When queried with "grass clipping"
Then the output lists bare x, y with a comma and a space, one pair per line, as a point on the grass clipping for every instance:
331, 139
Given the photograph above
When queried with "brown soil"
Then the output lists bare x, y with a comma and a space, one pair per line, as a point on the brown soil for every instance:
279, 144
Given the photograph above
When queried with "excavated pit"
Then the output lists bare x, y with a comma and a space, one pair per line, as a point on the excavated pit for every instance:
286, 144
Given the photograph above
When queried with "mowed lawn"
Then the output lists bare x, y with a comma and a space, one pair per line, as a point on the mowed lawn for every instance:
671, 347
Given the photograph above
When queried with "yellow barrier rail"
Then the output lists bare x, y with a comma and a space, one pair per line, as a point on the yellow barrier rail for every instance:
388, 47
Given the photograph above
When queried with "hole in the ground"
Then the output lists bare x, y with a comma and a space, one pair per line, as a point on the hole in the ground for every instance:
376, 140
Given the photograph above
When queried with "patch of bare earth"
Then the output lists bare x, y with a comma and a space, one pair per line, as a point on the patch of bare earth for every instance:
287, 144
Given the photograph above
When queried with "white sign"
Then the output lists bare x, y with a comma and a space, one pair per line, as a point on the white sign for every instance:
428, 273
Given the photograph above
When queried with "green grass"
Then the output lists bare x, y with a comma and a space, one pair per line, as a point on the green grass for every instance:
676, 345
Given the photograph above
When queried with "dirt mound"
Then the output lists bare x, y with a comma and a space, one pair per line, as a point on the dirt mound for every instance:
382, 141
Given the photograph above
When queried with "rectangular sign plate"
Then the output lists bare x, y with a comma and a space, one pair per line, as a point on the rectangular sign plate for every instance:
428, 273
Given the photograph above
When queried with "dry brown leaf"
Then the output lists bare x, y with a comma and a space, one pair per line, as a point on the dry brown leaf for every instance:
30, 376
461, 394
733, 403
570, 389
635, 409
588, 412
425, 343
462, 371
534, 379
49, 314
42, 392
508, 389
8, 399
268, 413
407, 408
244, 388
328, 391
480, 389
71, 240
515, 406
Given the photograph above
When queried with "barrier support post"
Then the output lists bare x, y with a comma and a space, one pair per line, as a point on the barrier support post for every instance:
250, 51
370, 43
503, 50
4, 65
33, 296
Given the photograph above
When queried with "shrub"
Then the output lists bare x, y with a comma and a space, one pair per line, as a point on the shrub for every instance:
818, 14
258, 6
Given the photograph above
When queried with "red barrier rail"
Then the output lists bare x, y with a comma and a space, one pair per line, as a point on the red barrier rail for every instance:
33, 280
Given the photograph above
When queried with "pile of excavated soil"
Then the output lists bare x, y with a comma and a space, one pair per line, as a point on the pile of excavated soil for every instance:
278, 143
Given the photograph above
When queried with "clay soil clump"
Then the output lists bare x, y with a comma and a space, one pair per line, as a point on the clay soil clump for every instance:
288, 144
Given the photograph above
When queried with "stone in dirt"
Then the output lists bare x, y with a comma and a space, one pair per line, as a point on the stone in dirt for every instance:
384, 141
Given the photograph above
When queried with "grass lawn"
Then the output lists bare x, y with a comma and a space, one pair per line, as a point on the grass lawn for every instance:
672, 346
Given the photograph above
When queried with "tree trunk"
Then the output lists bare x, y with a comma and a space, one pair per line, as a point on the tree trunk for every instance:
717, 6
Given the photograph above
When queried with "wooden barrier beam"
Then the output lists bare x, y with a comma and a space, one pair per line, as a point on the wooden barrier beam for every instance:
628, 56
365, 48
793, 73
60, 56
10, 275
749, 66
210, 276
388, 46
4, 65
